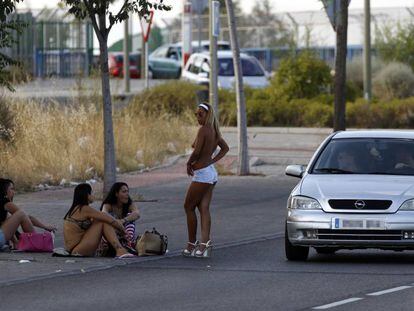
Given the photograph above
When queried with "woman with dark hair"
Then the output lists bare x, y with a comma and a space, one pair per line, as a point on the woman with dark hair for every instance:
84, 226
119, 205
199, 193
11, 217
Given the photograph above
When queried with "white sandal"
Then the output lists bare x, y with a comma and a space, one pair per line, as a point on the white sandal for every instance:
206, 253
187, 253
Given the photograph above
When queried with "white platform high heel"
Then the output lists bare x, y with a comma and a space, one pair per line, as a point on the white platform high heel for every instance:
187, 253
206, 252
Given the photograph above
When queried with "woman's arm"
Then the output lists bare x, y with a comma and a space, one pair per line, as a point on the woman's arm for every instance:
107, 208
134, 214
37, 223
90, 212
195, 155
224, 148
12, 208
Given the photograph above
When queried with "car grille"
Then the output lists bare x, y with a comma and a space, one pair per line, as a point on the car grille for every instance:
360, 204
359, 235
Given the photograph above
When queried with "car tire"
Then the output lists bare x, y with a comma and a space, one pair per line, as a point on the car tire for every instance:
179, 74
150, 74
295, 253
325, 250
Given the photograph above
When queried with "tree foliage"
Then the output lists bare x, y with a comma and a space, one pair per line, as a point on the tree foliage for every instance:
396, 44
8, 26
302, 76
270, 30
93, 8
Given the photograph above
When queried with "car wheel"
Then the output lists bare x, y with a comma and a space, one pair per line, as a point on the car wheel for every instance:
325, 250
179, 74
295, 253
150, 74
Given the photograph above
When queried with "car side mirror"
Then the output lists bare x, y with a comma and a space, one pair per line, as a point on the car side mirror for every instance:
295, 170
203, 75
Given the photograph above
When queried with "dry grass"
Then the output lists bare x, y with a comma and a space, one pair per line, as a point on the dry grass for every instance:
51, 143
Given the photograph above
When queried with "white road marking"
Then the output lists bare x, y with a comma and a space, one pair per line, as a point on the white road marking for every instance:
387, 291
338, 303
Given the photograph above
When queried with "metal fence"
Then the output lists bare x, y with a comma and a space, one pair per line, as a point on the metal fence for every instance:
53, 45
271, 57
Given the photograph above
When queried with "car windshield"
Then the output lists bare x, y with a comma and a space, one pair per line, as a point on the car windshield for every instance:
382, 156
250, 67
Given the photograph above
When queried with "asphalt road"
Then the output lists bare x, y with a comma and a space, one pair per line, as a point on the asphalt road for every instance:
248, 270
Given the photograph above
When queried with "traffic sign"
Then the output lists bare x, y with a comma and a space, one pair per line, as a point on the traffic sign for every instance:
332, 9
215, 24
146, 25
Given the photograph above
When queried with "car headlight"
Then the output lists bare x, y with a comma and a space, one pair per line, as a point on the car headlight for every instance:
299, 202
407, 205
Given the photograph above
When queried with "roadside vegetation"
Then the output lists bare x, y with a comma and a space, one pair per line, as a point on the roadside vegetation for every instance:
49, 144
300, 94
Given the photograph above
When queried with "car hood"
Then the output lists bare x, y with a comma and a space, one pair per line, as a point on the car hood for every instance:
344, 186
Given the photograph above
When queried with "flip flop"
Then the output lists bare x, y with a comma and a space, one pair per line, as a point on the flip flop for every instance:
126, 256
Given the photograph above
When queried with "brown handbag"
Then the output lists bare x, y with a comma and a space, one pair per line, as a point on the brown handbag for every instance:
151, 243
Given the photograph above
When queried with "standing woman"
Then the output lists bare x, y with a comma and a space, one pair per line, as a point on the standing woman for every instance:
119, 205
11, 216
83, 226
199, 193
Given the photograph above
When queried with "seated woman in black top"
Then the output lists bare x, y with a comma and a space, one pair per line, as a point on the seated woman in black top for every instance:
11, 217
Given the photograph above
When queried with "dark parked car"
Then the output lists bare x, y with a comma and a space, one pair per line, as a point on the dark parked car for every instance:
116, 65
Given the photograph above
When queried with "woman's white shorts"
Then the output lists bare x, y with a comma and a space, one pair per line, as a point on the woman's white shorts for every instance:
206, 175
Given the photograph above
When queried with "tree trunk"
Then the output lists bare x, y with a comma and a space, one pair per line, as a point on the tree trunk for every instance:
243, 165
340, 66
109, 143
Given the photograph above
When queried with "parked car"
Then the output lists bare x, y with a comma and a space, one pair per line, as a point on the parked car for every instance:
197, 70
166, 61
356, 192
116, 65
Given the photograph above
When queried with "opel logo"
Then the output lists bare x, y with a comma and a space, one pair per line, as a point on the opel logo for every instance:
359, 204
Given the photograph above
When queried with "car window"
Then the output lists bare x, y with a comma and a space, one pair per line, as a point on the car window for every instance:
172, 53
367, 156
160, 52
250, 67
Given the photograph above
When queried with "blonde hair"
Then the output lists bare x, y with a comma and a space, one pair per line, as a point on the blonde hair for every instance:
212, 119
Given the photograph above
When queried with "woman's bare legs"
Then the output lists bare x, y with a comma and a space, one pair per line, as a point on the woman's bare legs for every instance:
13, 222
204, 209
90, 241
111, 236
195, 193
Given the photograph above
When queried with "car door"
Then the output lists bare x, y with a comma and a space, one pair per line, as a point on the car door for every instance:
165, 62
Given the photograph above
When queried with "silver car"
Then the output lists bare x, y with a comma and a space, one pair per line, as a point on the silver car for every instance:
356, 192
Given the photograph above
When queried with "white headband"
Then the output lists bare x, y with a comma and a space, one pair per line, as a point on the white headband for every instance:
203, 106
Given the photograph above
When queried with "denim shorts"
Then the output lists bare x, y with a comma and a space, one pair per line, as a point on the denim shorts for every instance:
2, 239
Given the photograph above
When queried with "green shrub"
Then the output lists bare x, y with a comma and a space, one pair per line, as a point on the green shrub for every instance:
302, 76
393, 114
396, 80
355, 74
172, 98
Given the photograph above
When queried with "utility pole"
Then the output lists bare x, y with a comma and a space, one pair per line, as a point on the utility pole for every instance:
126, 56
214, 32
243, 154
367, 51
340, 65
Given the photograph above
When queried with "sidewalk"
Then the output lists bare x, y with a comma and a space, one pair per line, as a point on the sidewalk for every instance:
272, 148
